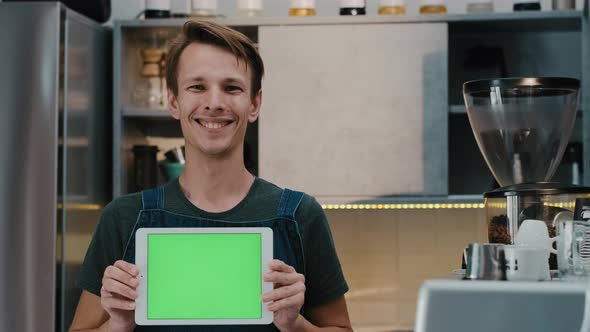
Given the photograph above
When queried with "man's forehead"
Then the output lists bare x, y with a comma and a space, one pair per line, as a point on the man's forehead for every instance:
217, 60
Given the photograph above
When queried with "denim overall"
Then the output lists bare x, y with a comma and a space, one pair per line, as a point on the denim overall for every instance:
287, 245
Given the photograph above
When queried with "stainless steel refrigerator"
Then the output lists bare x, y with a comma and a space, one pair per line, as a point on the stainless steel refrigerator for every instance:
54, 71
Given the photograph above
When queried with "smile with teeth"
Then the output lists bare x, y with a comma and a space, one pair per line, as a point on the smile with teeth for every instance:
213, 124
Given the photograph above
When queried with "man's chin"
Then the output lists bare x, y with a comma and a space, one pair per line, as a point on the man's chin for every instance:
216, 152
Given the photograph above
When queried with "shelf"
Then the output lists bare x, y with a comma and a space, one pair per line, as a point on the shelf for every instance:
545, 35
516, 22
424, 199
402, 202
543, 17
152, 113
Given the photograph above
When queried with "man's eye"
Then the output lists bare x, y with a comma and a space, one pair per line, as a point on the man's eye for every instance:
197, 87
233, 88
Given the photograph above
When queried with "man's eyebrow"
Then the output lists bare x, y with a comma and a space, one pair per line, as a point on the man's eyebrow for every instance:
233, 80
194, 79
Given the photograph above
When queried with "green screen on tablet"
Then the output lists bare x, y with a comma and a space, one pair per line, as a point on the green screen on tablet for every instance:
204, 276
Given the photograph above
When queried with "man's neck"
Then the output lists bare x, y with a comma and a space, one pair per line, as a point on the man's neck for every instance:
215, 184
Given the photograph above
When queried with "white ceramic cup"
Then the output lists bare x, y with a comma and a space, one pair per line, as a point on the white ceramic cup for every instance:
534, 233
525, 263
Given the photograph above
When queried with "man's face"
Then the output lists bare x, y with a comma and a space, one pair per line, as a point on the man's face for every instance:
214, 103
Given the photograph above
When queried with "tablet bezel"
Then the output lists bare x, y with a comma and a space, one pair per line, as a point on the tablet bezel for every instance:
141, 237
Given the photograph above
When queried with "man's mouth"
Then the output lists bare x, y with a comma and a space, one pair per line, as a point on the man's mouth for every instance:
213, 124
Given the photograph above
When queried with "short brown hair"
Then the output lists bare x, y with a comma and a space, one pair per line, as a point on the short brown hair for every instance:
217, 35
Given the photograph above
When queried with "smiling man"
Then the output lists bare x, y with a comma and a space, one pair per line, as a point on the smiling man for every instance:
214, 77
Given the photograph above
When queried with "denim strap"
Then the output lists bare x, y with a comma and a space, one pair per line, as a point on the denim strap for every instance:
289, 203
153, 198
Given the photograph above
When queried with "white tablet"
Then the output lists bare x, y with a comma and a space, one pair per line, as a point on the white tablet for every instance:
203, 276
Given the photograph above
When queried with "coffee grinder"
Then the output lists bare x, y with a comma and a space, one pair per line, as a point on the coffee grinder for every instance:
522, 127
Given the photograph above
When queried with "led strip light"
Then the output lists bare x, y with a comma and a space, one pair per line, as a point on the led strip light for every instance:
403, 206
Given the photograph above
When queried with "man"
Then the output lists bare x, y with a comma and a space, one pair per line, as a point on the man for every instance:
214, 78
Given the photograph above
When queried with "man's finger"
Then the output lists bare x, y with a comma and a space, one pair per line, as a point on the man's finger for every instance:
114, 272
283, 278
284, 292
127, 267
118, 288
278, 265
290, 302
104, 293
117, 303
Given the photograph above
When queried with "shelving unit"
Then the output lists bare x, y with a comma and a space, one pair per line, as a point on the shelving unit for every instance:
532, 43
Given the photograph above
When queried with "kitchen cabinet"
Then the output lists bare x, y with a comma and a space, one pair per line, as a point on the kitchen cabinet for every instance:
369, 109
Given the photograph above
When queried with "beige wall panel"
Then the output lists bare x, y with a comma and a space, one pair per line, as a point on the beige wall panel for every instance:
343, 106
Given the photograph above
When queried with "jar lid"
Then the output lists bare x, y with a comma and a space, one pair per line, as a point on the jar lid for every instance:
157, 4
204, 4
302, 3
352, 4
250, 4
391, 3
537, 189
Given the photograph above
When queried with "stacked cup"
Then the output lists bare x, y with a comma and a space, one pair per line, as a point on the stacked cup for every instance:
528, 258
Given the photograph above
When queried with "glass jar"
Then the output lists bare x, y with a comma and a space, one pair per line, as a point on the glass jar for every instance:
433, 7
524, 5
157, 9
302, 8
563, 4
352, 7
150, 89
392, 7
204, 8
480, 6
249, 8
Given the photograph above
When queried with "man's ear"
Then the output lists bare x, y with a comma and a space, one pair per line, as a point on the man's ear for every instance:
173, 105
255, 111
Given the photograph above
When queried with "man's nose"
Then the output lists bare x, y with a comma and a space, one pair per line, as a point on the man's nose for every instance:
214, 100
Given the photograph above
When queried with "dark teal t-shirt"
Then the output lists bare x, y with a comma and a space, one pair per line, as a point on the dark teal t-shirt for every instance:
324, 279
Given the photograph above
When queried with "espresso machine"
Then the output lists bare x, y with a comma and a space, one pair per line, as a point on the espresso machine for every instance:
522, 127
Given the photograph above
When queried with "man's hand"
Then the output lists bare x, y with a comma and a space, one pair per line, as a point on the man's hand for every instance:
287, 296
118, 294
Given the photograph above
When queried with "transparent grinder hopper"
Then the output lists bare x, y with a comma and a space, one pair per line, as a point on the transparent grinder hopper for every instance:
522, 127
